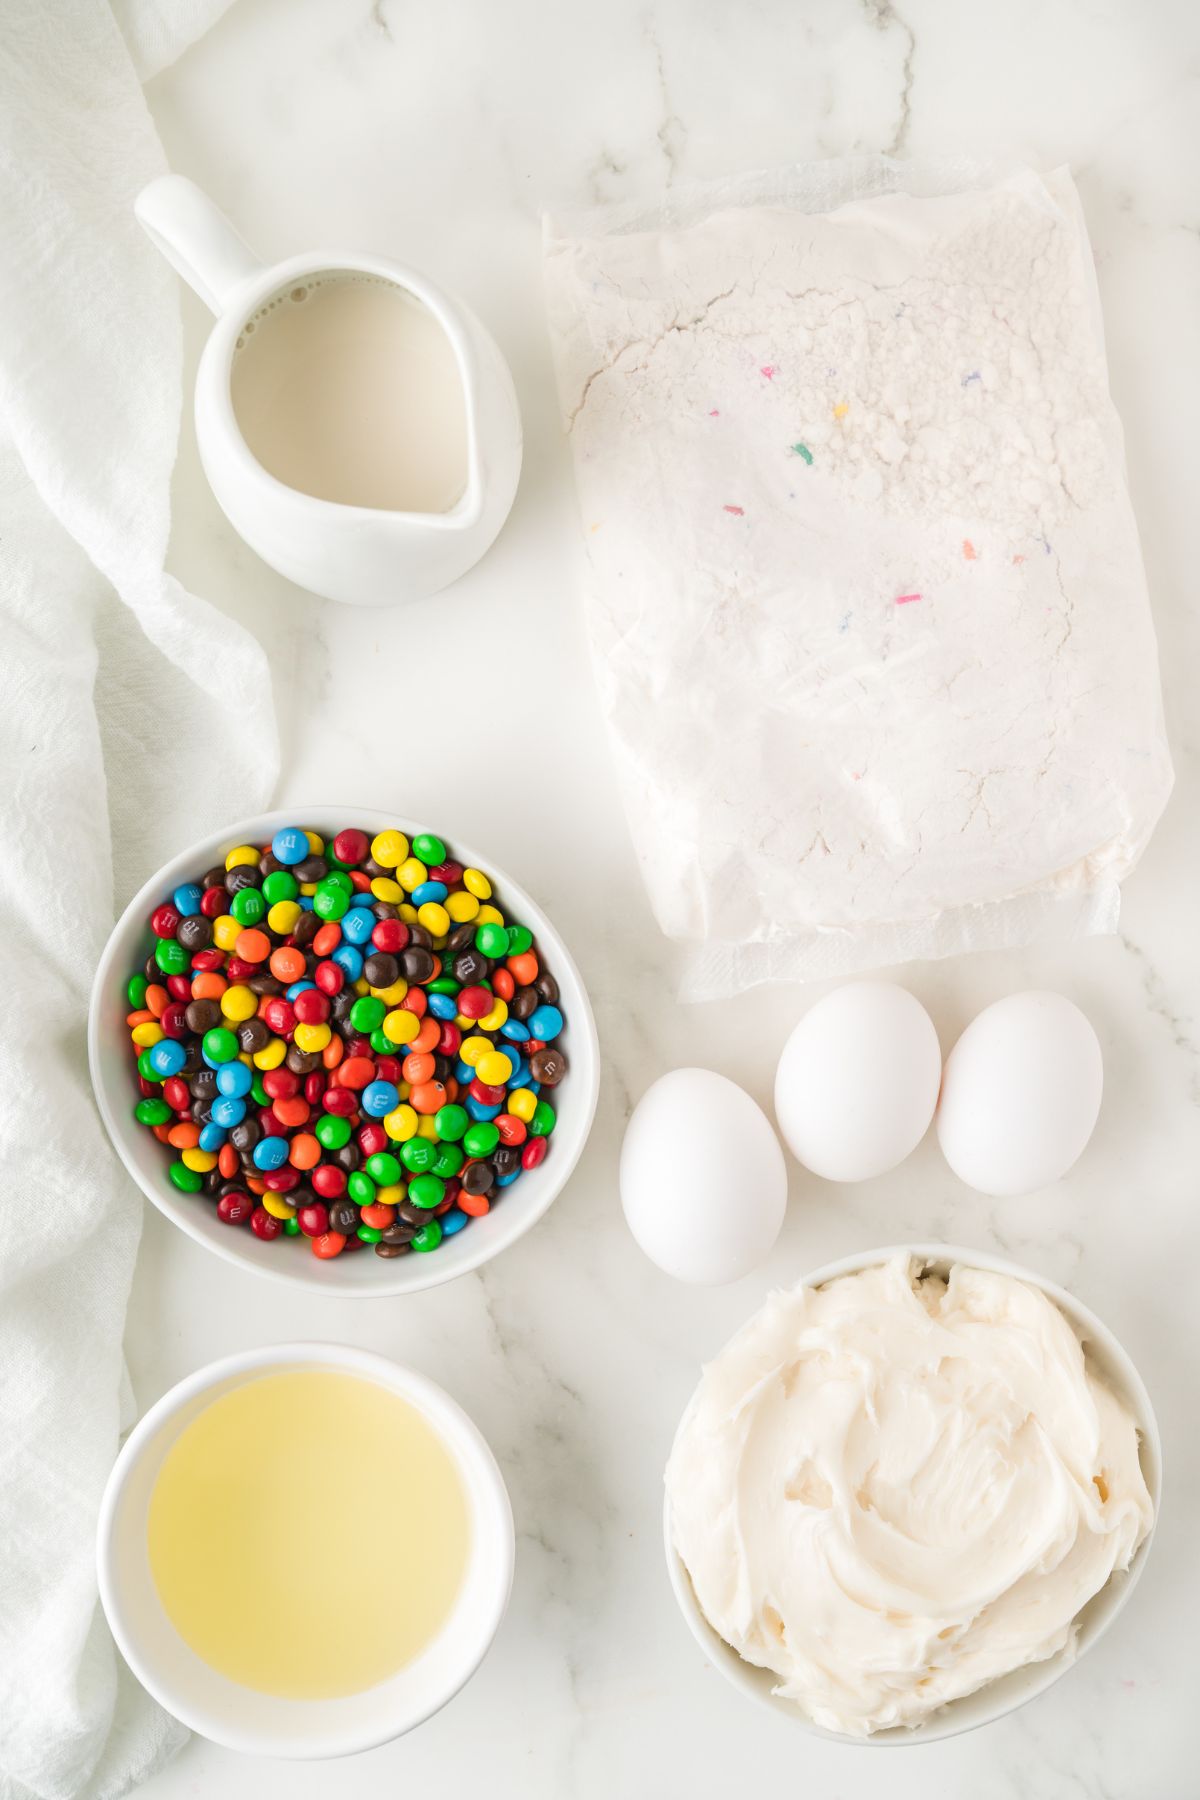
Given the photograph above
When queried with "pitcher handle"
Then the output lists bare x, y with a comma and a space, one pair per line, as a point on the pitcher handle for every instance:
196, 238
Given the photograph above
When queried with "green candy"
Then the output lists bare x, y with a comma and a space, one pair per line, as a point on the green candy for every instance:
492, 940
481, 1138
382, 1044
219, 1045
445, 984
383, 1168
429, 849
291, 1227
429, 1236
450, 1122
426, 1190
338, 878
152, 1112
188, 1181
520, 939
330, 901
135, 993
368, 1234
248, 906
171, 957
543, 1120
146, 1071
367, 1013
418, 1155
331, 1132
360, 1188
258, 1091
448, 1162
280, 884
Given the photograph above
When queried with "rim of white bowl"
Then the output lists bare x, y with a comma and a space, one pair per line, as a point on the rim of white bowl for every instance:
400, 1379
947, 1722
584, 1071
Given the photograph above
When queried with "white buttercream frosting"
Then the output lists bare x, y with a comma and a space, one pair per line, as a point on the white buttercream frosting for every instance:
894, 1488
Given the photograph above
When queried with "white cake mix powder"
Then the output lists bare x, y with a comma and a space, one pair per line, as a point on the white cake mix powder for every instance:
869, 613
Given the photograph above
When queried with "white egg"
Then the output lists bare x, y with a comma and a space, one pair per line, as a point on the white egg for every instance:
703, 1180
858, 1081
1020, 1094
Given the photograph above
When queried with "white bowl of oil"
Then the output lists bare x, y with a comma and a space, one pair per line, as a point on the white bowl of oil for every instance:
236, 1563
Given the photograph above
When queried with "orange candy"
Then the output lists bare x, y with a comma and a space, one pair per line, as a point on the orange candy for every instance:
208, 985
415, 1001
503, 985
255, 1185
327, 939
157, 999
418, 1067
380, 1216
356, 1071
184, 1137
287, 963
162, 1133
304, 1151
428, 1097
330, 1243
141, 1017
427, 1037
333, 1053
523, 968
474, 1205
291, 1112
253, 945
227, 1161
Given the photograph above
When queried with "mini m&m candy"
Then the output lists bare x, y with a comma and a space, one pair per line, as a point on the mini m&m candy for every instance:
347, 1043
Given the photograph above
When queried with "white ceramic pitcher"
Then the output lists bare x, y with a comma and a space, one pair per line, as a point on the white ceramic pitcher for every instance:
363, 555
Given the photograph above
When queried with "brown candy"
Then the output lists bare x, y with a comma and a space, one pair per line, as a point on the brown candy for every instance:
381, 970
202, 1015
253, 1034
382, 1249
548, 1066
343, 1216
195, 932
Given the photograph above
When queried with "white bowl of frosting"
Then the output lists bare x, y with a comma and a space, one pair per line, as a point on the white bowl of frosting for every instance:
910, 1493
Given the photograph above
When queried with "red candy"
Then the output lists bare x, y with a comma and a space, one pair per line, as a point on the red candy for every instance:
534, 1152
281, 1181
390, 935
372, 1138
449, 871
351, 846
235, 1207
179, 988
177, 1094
164, 921
312, 1006
238, 969
313, 1220
449, 1038
475, 1002
314, 1086
264, 1224
213, 902
329, 1180
279, 1015
174, 1019
340, 1102
280, 1083
330, 977
485, 1094
205, 960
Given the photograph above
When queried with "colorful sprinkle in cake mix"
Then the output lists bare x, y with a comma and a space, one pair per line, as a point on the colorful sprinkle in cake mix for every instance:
347, 1042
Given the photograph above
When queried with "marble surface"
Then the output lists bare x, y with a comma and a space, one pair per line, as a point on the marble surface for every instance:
435, 133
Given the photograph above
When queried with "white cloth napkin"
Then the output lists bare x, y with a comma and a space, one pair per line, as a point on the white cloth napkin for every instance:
132, 718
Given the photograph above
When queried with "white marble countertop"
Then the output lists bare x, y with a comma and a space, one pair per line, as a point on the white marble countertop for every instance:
434, 133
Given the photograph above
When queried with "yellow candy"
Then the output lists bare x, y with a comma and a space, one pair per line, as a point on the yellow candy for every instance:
308, 889
147, 1033
404, 1088
494, 1068
389, 848
282, 917
412, 873
401, 1124
390, 1196
401, 1027
427, 1128
226, 931
362, 985
392, 996
477, 883
271, 1055
434, 918
462, 907
441, 940
522, 1104
245, 853
311, 1037
472, 1048
316, 845
277, 1206
489, 915
387, 890
492, 1021
408, 912
238, 1003
200, 1160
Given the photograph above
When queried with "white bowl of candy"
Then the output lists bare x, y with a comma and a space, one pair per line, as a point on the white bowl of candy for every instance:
260, 1118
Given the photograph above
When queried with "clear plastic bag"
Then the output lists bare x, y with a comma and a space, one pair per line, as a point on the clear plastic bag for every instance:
868, 611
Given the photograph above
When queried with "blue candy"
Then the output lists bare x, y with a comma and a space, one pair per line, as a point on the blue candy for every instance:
545, 1022
187, 900
515, 1030
228, 1110
211, 1137
234, 1079
520, 1074
348, 958
305, 902
380, 1097
270, 1152
478, 1110
464, 1074
299, 987
453, 1221
501, 1181
167, 1057
362, 897
429, 890
289, 846
357, 925
443, 1006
